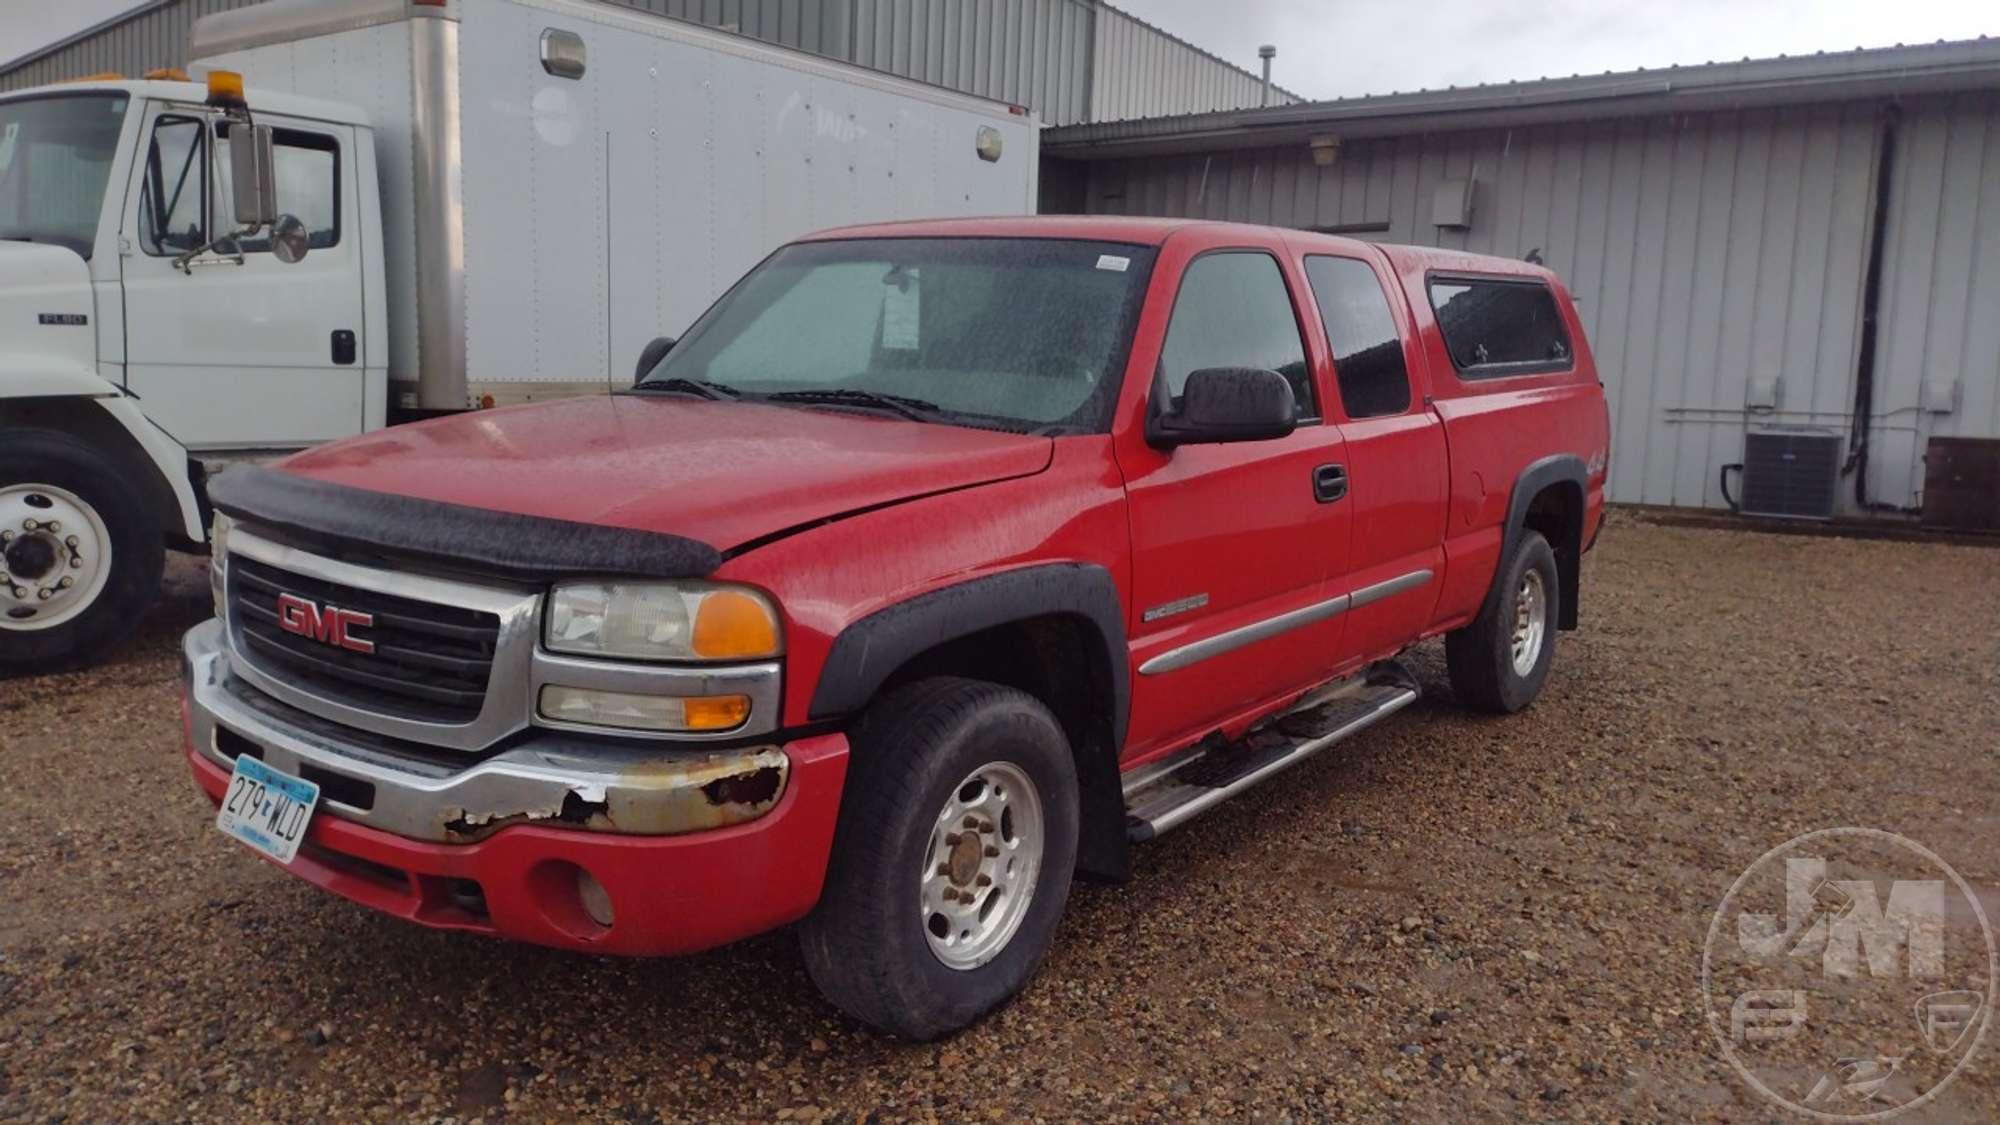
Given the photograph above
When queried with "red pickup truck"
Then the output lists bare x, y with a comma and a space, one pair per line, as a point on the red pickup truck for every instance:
936, 564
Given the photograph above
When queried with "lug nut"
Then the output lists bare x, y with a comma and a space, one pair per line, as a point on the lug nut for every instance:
53, 527
992, 852
74, 561
66, 583
30, 525
43, 593
951, 839
20, 591
971, 821
983, 881
70, 542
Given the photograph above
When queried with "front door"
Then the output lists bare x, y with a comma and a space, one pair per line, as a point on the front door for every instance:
1232, 544
257, 355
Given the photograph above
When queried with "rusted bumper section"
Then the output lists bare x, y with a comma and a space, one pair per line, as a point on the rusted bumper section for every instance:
692, 850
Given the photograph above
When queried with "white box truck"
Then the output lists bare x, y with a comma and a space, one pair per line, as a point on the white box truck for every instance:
485, 202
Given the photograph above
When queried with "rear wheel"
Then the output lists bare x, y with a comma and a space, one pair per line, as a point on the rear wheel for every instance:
1501, 661
952, 861
80, 552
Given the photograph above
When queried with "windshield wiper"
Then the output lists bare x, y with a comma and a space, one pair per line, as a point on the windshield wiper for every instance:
915, 409
680, 385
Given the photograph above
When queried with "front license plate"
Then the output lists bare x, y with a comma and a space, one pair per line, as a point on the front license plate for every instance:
266, 809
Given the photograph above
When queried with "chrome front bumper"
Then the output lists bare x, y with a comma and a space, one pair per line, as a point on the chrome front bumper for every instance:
425, 793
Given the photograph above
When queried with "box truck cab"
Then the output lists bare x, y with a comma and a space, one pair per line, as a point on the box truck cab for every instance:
489, 201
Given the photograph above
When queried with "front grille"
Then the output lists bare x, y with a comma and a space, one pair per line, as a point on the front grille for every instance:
431, 662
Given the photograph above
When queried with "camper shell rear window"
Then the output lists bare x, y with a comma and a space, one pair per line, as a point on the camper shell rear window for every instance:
1495, 327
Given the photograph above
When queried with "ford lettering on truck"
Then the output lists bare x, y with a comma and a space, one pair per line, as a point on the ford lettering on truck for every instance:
935, 565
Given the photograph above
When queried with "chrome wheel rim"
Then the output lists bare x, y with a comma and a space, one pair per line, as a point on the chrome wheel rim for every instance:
1531, 622
55, 556
981, 865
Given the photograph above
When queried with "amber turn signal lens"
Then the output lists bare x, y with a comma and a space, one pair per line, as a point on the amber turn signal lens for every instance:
716, 712
733, 625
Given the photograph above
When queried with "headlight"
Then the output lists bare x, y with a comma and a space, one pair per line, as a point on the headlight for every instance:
218, 561
662, 621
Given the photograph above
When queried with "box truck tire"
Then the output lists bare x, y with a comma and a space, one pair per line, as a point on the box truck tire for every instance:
80, 552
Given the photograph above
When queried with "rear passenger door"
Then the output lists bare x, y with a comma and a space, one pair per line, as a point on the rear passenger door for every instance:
1231, 547
1397, 476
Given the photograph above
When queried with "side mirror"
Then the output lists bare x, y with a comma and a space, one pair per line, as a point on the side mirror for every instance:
253, 181
289, 239
1226, 404
651, 355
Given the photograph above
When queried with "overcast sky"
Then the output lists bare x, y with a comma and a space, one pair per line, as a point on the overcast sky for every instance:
1335, 48
1339, 48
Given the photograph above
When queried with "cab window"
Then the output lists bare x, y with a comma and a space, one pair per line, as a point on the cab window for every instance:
1361, 333
308, 171
1233, 310
173, 195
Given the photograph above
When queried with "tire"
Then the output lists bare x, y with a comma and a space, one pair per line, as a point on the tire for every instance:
1482, 657
113, 567
917, 754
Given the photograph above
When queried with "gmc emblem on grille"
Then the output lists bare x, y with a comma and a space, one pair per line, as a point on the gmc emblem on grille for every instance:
326, 624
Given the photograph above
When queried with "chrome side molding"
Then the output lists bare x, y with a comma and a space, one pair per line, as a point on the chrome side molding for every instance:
1198, 651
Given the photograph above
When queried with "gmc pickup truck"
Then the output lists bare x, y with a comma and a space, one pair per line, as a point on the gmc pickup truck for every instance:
935, 565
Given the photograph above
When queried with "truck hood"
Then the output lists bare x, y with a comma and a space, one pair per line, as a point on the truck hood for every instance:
721, 473
45, 295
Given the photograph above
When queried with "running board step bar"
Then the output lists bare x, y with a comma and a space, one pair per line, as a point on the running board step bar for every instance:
1191, 783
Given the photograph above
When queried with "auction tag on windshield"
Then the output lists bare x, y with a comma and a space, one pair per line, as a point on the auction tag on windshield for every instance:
266, 809
1116, 262
902, 313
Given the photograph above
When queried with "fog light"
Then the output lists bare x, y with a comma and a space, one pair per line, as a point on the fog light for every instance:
643, 712
596, 900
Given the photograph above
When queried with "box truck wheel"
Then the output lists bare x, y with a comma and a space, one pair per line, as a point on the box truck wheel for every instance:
80, 552
1501, 660
952, 860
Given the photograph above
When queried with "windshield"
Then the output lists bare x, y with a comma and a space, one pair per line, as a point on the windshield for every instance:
1011, 333
55, 156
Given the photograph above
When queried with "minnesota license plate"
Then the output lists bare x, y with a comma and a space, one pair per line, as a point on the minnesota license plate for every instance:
266, 809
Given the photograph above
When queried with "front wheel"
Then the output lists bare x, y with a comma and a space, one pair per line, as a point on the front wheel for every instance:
952, 860
1500, 661
80, 552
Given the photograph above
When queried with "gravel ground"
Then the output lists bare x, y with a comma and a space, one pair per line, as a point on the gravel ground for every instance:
1450, 917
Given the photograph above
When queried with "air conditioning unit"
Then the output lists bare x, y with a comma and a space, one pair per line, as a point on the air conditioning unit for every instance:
1791, 471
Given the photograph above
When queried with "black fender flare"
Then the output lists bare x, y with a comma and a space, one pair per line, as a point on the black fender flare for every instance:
868, 651
1555, 469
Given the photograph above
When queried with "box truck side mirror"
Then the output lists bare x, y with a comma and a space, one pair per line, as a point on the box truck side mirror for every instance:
253, 177
289, 239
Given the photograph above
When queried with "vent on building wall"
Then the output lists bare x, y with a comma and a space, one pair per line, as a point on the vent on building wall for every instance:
1790, 471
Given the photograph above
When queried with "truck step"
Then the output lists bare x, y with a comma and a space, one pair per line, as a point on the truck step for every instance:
1170, 793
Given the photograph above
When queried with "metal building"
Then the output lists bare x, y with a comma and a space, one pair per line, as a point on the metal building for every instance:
1067, 60
1719, 226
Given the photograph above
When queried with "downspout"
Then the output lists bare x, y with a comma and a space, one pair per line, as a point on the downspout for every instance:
1871, 303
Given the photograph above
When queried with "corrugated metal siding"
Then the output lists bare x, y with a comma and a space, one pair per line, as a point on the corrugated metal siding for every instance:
1940, 302
1140, 72
1704, 251
1029, 52
1049, 55
157, 36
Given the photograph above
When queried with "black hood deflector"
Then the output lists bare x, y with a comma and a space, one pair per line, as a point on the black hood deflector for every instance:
505, 545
